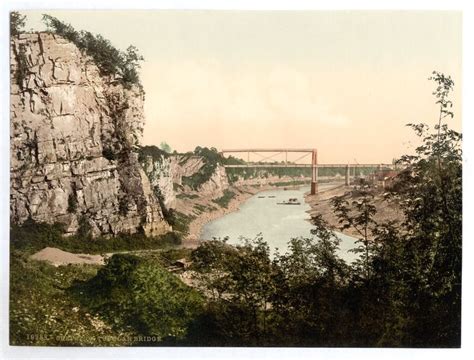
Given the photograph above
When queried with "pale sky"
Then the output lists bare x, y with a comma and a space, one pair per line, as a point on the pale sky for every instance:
343, 82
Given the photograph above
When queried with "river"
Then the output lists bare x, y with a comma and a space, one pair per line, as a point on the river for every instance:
277, 223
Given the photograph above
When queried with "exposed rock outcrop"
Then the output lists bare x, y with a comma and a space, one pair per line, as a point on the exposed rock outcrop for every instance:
166, 175
72, 135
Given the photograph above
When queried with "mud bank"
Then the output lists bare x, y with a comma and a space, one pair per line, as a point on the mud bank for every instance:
321, 205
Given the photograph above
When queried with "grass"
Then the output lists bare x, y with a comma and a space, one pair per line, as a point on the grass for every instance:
32, 236
187, 196
43, 313
48, 307
63, 306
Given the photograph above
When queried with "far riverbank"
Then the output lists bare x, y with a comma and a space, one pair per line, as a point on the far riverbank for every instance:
243, 193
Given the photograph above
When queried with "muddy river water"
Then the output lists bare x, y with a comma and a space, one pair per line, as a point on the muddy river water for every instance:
276, 222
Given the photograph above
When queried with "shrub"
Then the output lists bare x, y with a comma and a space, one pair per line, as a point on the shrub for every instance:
32, 236
137, 293
110, 60
72, 203
224, 200
17, 23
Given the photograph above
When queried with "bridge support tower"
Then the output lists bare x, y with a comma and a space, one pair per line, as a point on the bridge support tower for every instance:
348, 175
314, 172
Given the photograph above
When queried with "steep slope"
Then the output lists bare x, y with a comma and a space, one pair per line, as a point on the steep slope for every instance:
72, 135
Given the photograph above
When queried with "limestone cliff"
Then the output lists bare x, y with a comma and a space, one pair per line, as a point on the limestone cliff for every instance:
72, 136
166, 174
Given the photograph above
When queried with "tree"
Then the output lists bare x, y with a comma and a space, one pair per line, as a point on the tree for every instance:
17, 23
431, 190
109, 60
239, 283
131, 292
309, 291
165, 147
359, 216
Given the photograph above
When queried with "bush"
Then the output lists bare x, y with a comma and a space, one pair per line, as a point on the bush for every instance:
17, 23
110, 60
43, 313
156, 153
224, 200
32, 236
137, 293
72, 203
212, 158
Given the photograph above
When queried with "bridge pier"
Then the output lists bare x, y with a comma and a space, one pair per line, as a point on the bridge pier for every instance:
314, 173
348, 175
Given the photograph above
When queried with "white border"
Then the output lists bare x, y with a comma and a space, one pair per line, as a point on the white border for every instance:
241, 353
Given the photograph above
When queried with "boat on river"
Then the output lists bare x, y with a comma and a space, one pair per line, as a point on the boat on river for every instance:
291, 201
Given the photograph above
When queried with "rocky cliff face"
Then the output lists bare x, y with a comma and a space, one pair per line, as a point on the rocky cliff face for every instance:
166, 175
72, 135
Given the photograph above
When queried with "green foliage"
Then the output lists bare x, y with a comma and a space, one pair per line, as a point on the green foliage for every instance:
156, 153
187, 196
290, 183
110, 60
165, 147
17, 23
32, 236
109, 154
180, 222
22, 65
72, 203
140, 294
431, 190
42, 313
211, 158
403, 290
224, 200
360, 216
234, 174
238, 283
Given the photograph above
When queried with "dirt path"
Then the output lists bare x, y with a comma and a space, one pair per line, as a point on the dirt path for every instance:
58, 257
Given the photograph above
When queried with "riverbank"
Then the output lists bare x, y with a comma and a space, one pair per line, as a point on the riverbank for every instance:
321, 205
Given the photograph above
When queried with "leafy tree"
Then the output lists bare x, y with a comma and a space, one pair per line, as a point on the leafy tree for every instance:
310, 280
431, 189
165, 147
238, 280
359, 216
17, 23
133, 292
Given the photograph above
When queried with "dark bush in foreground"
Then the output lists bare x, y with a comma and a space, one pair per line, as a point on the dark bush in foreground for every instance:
137, 293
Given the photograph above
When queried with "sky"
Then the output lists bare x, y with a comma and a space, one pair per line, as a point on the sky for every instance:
343, 82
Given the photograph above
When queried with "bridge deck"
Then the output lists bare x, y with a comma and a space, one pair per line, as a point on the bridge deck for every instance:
308, 165
266, 150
